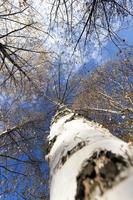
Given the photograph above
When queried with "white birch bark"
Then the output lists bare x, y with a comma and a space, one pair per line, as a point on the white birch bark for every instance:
86, 161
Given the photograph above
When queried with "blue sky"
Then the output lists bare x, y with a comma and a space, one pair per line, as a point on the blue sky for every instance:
110, 51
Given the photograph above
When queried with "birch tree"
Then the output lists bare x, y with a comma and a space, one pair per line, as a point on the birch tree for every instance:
86, 161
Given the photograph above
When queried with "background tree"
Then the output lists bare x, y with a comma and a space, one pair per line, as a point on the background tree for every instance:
20, 40
24, 69
106, 96
92, 20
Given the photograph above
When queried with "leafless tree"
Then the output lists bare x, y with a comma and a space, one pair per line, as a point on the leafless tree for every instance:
20, 42
22, 136
91, 19
107, 96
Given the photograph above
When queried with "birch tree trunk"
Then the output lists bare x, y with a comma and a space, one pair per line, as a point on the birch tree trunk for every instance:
86, 161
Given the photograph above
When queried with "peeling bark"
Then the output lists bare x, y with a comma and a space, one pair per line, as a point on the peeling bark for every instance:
86, 161
102, 171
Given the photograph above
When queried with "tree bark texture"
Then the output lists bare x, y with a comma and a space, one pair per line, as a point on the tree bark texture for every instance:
86, 161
